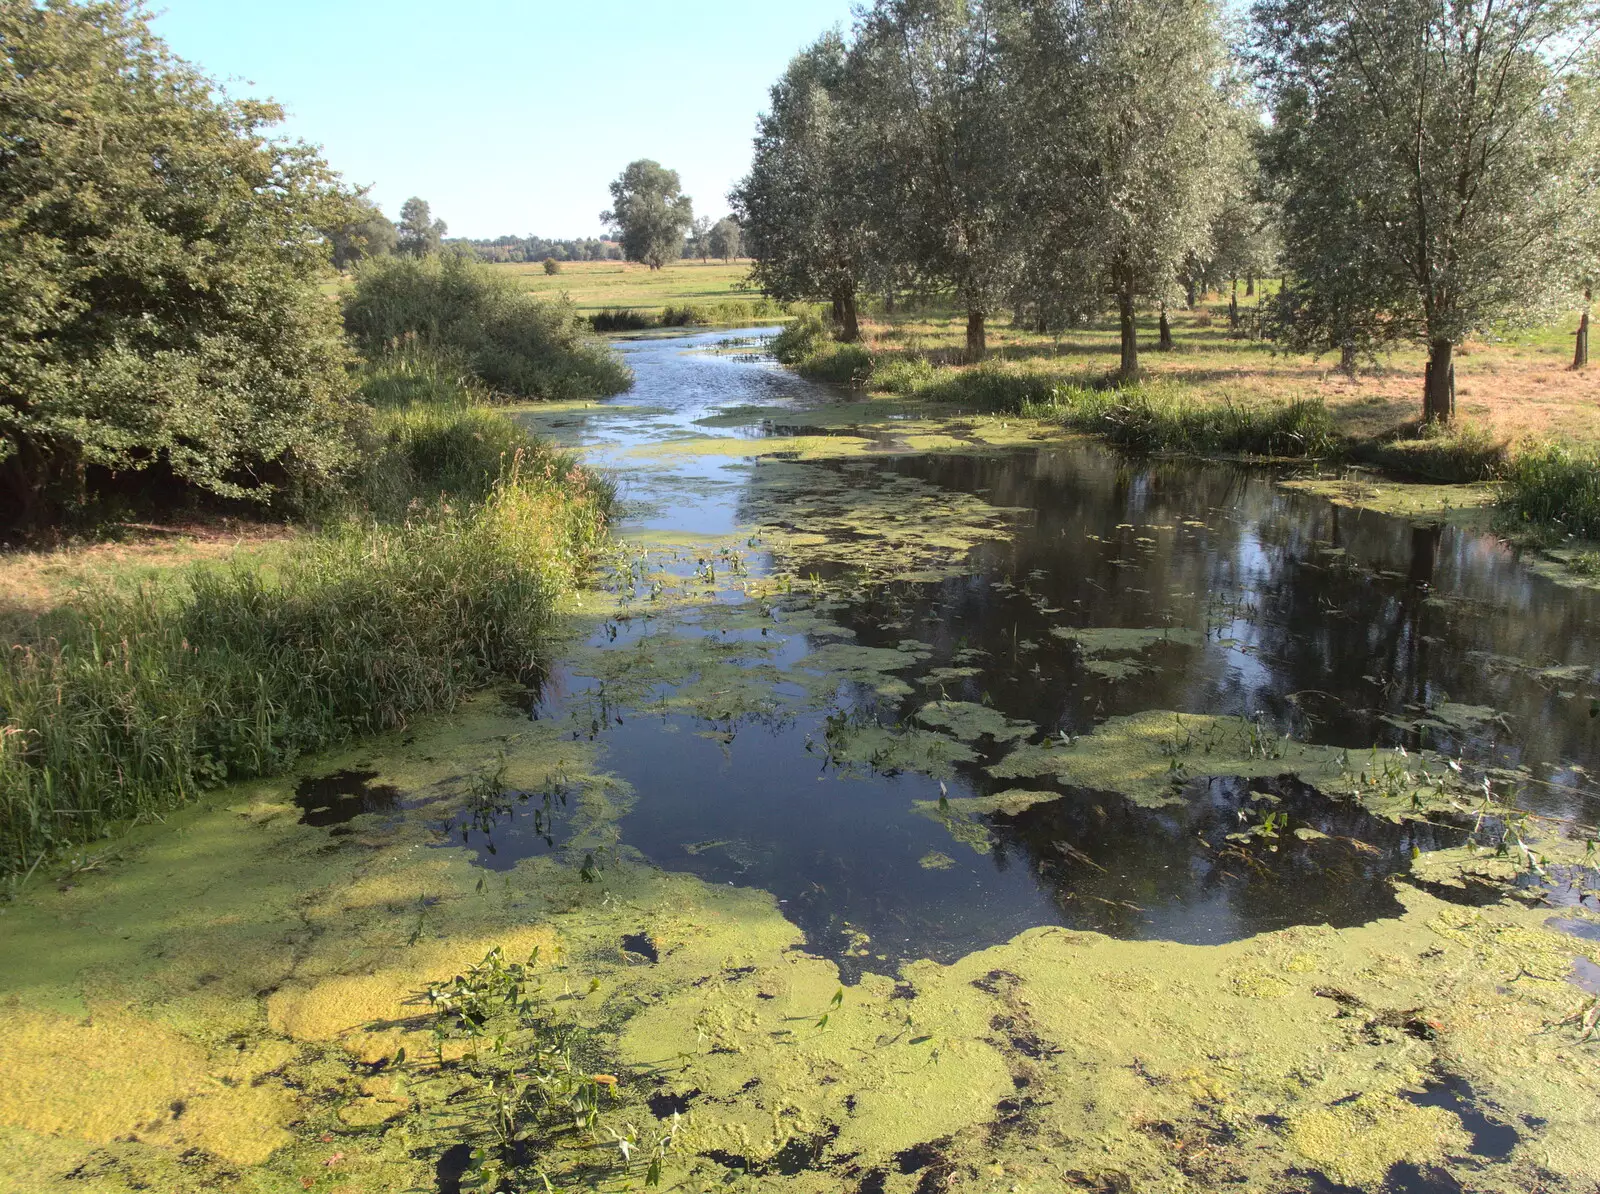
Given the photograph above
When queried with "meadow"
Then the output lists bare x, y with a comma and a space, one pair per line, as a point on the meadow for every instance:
595, 286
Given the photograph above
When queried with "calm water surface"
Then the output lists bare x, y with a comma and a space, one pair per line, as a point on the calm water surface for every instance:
1342, 627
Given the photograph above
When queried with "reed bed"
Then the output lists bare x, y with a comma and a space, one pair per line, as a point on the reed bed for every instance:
123, 706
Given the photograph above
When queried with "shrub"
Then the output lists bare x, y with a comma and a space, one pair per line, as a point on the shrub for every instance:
903, 375
124, 706
801, 338
511, 340
684, 316
162, 326
621, 319
1554, 484
1451, 453
552, 266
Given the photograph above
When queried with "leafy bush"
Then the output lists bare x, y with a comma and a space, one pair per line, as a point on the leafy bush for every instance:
1554, 484
1454, 452
512, 341
685, 316
621, 319
801, 338
160, 319
552, 266
124, 706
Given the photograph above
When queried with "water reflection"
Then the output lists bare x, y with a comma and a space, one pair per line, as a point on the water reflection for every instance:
1343, 627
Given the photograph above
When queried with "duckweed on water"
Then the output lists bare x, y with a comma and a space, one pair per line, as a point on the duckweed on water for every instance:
231, 993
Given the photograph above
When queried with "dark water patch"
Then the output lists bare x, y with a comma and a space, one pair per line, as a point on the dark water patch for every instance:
1491, 1140
342, 796
503, 826
1405, 1177
452, 1167
1589, 930
1586, 975
665, 1104
640, 944
1347, 627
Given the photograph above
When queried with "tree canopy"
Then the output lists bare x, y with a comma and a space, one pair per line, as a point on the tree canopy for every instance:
159, 269
725, 239
419, 233
801, 209
1436, 163
368, 233
651, 213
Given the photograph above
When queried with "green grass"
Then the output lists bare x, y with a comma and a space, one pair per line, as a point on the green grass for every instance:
1162, 418
1557, 486
455, 543
711, 290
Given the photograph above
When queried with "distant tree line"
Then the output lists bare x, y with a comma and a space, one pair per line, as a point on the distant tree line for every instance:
1417, 171
537, 248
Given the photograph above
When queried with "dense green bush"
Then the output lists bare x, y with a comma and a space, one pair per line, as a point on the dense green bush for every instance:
621, 319
513, 342
123, 706
1448, 452
160, 319
802, 338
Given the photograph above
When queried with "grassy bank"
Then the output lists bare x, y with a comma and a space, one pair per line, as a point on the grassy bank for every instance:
1219, 394
626, 296
439, 566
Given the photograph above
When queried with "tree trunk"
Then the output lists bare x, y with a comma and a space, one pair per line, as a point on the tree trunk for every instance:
1130, 333
977, 344
1439, 384
1189, 295
1233, 307
1249, 285
852, 326
1580, 350
1166, 332
888, 301
838, 311
1347, 360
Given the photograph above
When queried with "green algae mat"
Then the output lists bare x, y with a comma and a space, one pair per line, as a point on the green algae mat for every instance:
914, 808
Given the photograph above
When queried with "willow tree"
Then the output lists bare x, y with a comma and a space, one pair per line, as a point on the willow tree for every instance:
935, 83
801, 212
1130, 138
1437, 162
650, 212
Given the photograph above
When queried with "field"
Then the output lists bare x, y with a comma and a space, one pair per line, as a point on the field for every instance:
1515, 388
596, 285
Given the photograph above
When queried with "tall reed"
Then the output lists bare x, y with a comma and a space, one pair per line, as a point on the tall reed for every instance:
123, 706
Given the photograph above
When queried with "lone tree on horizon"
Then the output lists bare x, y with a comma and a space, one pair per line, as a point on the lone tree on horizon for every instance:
1437, 167
419, 233
650, 213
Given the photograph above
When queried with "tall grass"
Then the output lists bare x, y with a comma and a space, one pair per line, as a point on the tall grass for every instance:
124, 706
510, 340
728, 313
1555, 485
1154, 418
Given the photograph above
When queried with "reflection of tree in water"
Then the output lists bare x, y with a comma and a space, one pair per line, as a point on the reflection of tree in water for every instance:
1340, 622
1174, 872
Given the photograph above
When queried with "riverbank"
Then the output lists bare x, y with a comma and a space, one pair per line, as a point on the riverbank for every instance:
1527, 424
915, 802
143, 672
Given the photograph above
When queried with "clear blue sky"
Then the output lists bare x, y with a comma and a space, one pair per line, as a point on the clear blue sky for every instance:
508, 117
